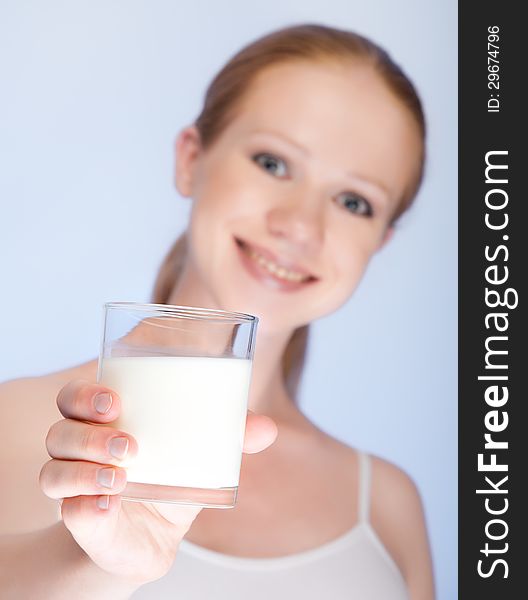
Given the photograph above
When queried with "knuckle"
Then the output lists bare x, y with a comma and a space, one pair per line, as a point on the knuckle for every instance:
69, 510
70, 396
76, 403
52, 436
78, 477
88, 442
82, 399
48, 479
64, 393
86, 391
42, 477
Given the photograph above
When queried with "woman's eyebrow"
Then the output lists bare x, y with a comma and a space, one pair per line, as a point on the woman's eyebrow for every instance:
353, 176
284, 138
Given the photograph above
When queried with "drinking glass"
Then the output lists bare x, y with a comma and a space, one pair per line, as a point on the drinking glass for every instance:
183, 376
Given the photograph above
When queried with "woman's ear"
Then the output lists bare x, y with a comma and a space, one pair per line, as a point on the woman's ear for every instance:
187, 149
389, 232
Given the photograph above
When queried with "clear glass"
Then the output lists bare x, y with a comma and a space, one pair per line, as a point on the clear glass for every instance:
183, 376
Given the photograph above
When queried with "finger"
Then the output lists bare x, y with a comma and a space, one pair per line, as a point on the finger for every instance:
85, 515
75, 440
80, 399
68, 478
261, 432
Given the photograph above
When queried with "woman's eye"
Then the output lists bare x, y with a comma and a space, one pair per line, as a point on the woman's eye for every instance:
355, 203
271, 163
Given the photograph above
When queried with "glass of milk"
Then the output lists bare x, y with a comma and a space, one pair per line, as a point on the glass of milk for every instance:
183, 375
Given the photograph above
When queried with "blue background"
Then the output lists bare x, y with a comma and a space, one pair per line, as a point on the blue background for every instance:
93, 95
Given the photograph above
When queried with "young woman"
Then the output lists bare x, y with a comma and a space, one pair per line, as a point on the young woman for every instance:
309, 147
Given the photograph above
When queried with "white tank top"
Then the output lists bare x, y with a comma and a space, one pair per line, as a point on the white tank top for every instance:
356, 565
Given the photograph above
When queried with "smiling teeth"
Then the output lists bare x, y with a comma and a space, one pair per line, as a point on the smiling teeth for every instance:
274, 269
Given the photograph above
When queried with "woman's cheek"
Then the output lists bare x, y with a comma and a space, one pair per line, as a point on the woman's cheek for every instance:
352, 266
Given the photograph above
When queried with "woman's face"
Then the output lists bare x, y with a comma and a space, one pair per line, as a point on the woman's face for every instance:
296, 194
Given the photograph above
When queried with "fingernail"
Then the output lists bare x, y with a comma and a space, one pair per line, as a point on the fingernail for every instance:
106, 477
118, 447
103, 502
103, 403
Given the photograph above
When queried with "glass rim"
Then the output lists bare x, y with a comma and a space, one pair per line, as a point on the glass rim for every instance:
176, 310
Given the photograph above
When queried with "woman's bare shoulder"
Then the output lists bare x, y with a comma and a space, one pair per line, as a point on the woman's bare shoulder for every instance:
50, 380
398, 517
29, 407
28, 410
27, 399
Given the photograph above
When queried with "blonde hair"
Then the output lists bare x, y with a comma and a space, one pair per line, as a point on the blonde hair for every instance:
300, 42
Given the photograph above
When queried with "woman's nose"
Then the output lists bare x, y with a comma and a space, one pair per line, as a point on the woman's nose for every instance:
300, 222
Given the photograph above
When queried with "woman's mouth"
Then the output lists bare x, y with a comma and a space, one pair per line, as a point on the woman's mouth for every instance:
263, 266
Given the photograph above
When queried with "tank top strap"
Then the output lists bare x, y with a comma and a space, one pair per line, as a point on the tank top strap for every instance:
364, 486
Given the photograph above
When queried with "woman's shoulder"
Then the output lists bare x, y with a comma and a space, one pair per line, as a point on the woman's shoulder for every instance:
386, 476
29, 409
398, 517
396, 514
87, 370
404, 508
387, 479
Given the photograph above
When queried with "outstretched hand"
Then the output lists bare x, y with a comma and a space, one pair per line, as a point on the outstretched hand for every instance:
135, 541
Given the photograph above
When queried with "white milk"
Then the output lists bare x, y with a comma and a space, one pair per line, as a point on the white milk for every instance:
188, 415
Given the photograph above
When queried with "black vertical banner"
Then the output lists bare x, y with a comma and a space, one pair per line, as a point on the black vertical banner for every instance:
493, 268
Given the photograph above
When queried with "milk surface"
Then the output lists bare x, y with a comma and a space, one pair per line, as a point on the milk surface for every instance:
188, 415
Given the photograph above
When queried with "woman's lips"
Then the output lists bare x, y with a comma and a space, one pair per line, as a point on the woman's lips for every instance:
262, 274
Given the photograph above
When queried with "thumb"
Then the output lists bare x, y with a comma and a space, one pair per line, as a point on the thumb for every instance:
261, 432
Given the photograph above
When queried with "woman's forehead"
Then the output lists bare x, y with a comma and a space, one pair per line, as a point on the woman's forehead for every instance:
323, 105
297, 90
344, 116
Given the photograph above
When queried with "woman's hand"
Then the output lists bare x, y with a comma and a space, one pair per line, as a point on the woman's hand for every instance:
132, 540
